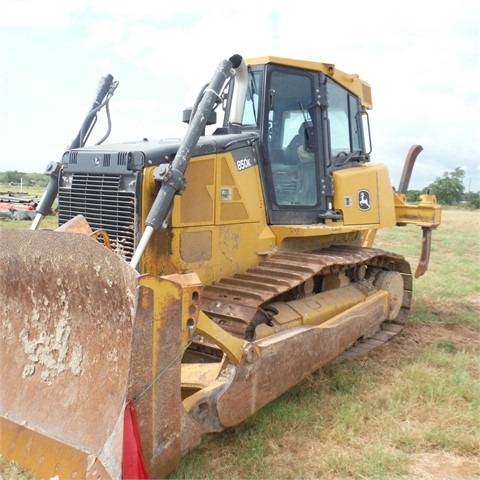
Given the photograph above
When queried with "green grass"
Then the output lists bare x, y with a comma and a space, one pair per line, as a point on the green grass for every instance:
16, 190
450, 289
49, 223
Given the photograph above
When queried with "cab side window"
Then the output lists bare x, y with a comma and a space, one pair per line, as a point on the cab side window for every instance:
342, 117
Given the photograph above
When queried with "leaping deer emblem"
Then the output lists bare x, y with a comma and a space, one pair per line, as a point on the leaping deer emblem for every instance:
364, 200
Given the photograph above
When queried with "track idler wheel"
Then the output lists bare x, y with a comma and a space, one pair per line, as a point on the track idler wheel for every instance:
392, 282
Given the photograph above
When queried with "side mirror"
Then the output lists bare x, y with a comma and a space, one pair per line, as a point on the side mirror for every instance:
309, 139
187, 113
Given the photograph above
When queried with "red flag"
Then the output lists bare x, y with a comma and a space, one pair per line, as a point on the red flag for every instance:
133, 463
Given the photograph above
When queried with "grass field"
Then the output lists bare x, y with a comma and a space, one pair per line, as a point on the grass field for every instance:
408, 410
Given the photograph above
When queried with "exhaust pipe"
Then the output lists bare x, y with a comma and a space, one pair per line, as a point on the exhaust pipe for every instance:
240, 94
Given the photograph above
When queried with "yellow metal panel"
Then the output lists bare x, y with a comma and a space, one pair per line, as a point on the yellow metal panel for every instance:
364, 195
232, 211
40, 454
157, 355
196, 246
266, 240
231, 345
234, 248
426, 214
222, 206
308, 238
238, 194
199, 375
195, 206
218, 193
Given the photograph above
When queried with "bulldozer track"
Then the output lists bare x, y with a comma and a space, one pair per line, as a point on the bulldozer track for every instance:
232, 302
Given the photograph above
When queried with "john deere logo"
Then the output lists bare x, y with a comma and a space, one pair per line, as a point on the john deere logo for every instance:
364, 200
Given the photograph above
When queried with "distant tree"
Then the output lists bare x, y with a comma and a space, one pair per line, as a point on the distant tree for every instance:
38, 179
413, 195
448, 189
12, 176
473, 200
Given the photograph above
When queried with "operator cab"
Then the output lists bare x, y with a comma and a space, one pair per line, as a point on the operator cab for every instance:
309, 125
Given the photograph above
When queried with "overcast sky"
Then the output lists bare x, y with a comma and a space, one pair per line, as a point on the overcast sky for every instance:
422, 60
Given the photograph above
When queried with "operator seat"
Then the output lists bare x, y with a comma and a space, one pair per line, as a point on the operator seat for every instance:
291, 155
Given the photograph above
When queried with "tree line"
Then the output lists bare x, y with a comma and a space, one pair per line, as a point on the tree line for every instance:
14, 178
449, 189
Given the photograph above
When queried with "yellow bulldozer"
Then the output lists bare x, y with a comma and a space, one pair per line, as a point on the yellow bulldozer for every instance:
192, 281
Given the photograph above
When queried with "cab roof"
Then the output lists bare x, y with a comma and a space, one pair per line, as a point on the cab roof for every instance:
351, 81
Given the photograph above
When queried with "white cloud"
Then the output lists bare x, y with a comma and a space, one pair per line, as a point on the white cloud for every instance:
49, 15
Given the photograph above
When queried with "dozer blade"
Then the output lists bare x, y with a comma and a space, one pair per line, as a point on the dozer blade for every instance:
67, 308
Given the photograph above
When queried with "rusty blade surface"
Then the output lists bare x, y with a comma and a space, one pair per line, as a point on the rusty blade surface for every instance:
67, 306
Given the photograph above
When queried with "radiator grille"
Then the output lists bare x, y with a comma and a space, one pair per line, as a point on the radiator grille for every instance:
100, 199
